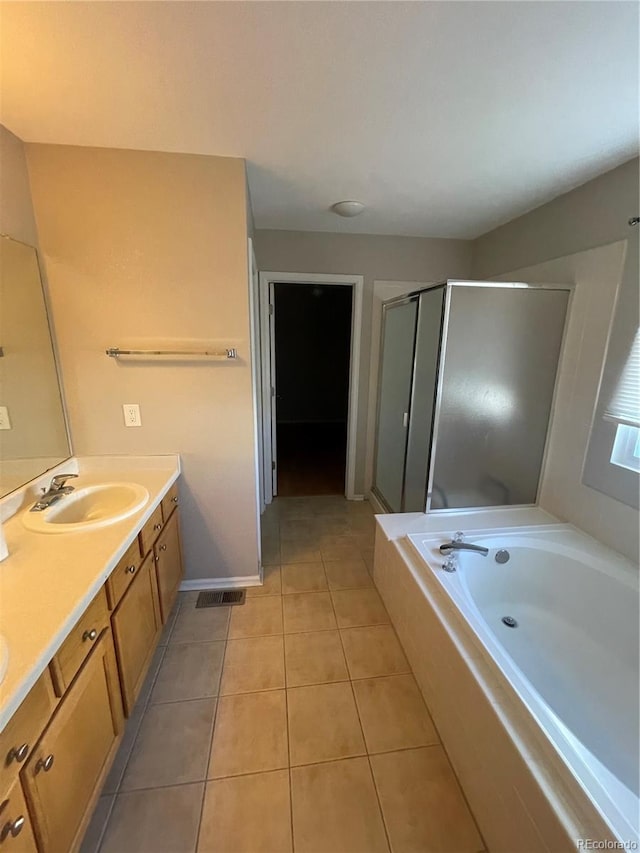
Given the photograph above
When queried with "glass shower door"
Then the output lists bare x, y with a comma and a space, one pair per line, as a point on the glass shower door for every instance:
394, 398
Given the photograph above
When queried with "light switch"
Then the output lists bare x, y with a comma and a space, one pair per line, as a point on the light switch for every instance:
5, 423
131, 415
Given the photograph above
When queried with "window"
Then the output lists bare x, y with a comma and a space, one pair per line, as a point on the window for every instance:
624, 410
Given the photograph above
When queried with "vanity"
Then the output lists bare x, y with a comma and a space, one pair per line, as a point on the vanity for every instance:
81, 612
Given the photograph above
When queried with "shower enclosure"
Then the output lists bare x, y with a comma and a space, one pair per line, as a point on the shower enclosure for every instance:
467, 377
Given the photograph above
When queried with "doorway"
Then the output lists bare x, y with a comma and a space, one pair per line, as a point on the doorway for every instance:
311, 346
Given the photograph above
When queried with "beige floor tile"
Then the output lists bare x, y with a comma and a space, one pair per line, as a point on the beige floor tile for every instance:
367, 556
270, 551
333, 525
168, 627
171, 746
188, 598
270, 583
347, 574
161, 820
314, 658
252, 664
257, 617
339, 548
250, 734
247, 814
422, 803
91, 840
200, 626
303, 577
300, 551
189, 671
335, 809
323, 723
356, 607
393, 713
132, 726
294, 530
308, 611
373, 651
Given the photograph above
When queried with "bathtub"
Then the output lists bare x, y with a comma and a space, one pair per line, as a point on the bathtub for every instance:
568, 646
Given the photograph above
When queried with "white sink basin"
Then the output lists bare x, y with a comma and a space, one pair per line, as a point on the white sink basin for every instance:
88, 508
4, 658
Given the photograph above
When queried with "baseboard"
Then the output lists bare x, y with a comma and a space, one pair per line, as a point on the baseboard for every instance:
355, 497
221, 583
377, 506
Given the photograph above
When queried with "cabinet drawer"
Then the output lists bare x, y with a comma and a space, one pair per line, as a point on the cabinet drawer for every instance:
136, 627
169, 502
25, 727
120, 578
16, 833
62, 778
150, 531
79, 643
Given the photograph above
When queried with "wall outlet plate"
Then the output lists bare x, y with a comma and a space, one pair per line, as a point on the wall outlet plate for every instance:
5, 423
131, 415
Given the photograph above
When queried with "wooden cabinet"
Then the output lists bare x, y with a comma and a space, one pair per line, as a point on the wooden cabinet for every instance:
63, 775
136, 626
78, 644
150, 531
169, 502
168, 563
16, 832
120, 578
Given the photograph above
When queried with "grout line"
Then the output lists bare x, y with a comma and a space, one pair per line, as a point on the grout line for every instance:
286, 708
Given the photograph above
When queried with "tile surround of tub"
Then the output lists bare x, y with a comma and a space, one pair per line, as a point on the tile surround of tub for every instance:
264, 769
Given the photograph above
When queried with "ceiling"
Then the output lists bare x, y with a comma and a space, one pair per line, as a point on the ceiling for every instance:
445, 118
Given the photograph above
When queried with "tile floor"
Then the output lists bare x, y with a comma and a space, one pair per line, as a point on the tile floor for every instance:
292, 722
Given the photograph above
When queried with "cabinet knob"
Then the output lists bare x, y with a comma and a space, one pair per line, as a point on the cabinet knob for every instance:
18, 753
157, 526
130, 570
44, 763
90, 635
163, 547
174, 500
12, 828
156, 559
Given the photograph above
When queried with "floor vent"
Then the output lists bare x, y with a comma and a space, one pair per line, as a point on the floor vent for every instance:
218, 597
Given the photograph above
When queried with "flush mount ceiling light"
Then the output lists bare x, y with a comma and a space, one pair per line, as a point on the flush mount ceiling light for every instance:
348, 208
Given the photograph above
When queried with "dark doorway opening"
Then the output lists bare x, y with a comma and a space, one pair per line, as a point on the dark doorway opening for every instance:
312, 359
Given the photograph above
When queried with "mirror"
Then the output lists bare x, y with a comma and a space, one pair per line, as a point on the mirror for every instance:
33, 430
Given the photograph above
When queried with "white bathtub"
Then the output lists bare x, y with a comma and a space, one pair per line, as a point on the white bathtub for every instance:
573, 657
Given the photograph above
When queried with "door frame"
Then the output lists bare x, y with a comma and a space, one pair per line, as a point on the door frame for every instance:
356, 282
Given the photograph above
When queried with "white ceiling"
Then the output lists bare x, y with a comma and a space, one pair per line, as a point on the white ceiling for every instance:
445, 118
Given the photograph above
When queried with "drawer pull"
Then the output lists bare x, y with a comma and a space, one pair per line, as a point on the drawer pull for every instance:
130, 570
18, 753
163, 547
90, 635
44, 763
12, 828
174, 500
157, 526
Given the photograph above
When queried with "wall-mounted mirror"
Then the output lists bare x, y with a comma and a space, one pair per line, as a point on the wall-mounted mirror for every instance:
33, 430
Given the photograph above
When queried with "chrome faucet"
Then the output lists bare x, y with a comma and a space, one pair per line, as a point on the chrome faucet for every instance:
55, 491
457, 544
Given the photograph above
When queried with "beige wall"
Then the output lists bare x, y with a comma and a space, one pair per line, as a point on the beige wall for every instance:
591, 215
16, 210
145, 249
374, 257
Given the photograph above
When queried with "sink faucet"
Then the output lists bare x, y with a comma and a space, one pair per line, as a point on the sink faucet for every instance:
55, 491
457, 544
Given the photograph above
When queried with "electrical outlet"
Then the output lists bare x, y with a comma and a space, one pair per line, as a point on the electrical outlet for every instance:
131, 415
5, 423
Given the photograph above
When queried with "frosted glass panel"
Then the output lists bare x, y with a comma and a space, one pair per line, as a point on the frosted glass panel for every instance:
499, 373
394, 397
423, 399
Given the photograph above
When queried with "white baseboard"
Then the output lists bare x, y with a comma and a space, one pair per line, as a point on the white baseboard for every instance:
377, 506
221, 583
355, 497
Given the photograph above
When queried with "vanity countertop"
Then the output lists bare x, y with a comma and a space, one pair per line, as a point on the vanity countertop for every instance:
48, 580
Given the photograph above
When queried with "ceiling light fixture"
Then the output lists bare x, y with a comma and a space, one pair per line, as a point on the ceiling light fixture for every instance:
348, 208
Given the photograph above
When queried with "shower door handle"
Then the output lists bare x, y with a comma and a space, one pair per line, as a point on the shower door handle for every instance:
405, 419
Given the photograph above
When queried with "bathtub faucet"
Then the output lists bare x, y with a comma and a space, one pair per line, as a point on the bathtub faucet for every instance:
457, 544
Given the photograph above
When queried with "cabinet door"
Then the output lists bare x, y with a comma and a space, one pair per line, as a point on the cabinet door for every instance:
136, 625
168, 560
16, 833
63, 775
